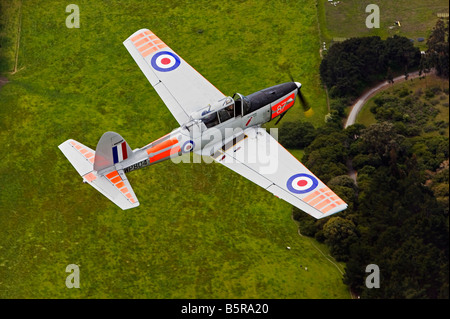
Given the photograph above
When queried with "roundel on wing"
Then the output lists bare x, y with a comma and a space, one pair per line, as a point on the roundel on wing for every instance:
188, 147
302, 183
165, 61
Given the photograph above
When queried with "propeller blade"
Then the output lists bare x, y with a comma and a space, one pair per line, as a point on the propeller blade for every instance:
305, 105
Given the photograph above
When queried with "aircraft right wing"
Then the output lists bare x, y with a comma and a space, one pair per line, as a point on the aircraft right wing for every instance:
179, 85
257, 156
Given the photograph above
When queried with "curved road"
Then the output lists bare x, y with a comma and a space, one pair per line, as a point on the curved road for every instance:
357, 106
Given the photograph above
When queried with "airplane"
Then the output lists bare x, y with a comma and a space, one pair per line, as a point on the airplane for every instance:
202, 111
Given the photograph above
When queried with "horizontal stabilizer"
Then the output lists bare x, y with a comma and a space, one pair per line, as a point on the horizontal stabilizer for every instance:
113, 184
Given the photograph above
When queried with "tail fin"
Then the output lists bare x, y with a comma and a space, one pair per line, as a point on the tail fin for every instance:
111, 149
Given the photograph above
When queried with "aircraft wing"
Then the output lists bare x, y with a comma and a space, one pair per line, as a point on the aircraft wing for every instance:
114, 185
180, 86
256, 155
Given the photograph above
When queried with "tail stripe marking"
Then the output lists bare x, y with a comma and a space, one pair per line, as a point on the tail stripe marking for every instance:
120, 154
124, 150
115, 155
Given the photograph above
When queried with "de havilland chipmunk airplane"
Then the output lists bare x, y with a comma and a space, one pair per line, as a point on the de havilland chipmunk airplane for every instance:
199, 108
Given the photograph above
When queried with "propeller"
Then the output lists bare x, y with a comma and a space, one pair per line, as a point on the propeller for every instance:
305, 105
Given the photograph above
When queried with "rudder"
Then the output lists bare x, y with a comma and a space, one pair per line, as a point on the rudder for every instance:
111, 149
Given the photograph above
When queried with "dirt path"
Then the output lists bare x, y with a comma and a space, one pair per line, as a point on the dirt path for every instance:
18, 40
357, 106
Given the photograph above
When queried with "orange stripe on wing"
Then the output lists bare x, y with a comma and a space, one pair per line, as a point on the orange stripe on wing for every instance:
137, 37
316, 200
149, 51
329, 207
145, 47
141, 42
322, 204
311, 196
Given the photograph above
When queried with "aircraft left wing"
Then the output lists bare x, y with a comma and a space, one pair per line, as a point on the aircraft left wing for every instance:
256, 155
179, 85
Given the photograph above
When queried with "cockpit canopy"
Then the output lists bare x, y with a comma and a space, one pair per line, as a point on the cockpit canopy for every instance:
239, 105
219, 112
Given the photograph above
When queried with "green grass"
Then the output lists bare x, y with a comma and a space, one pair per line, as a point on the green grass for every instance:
298, 153
201, 230
348, 18
365, 116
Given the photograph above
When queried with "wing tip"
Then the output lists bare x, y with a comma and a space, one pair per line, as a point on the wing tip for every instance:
336, 210
137, 33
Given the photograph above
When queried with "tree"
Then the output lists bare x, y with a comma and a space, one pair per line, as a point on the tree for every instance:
381, 138
353, 64
296, 135
438, 48
340, 233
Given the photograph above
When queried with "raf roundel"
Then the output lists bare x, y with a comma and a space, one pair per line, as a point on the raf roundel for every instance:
302, 183
165, 61
188, 147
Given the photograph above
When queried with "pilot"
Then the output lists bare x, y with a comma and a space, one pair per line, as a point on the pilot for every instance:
230, 110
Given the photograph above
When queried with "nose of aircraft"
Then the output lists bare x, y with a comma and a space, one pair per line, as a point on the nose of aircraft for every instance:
299, 85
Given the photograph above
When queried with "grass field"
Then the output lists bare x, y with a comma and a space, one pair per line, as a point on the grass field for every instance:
201, 231
348, 18
440, 101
